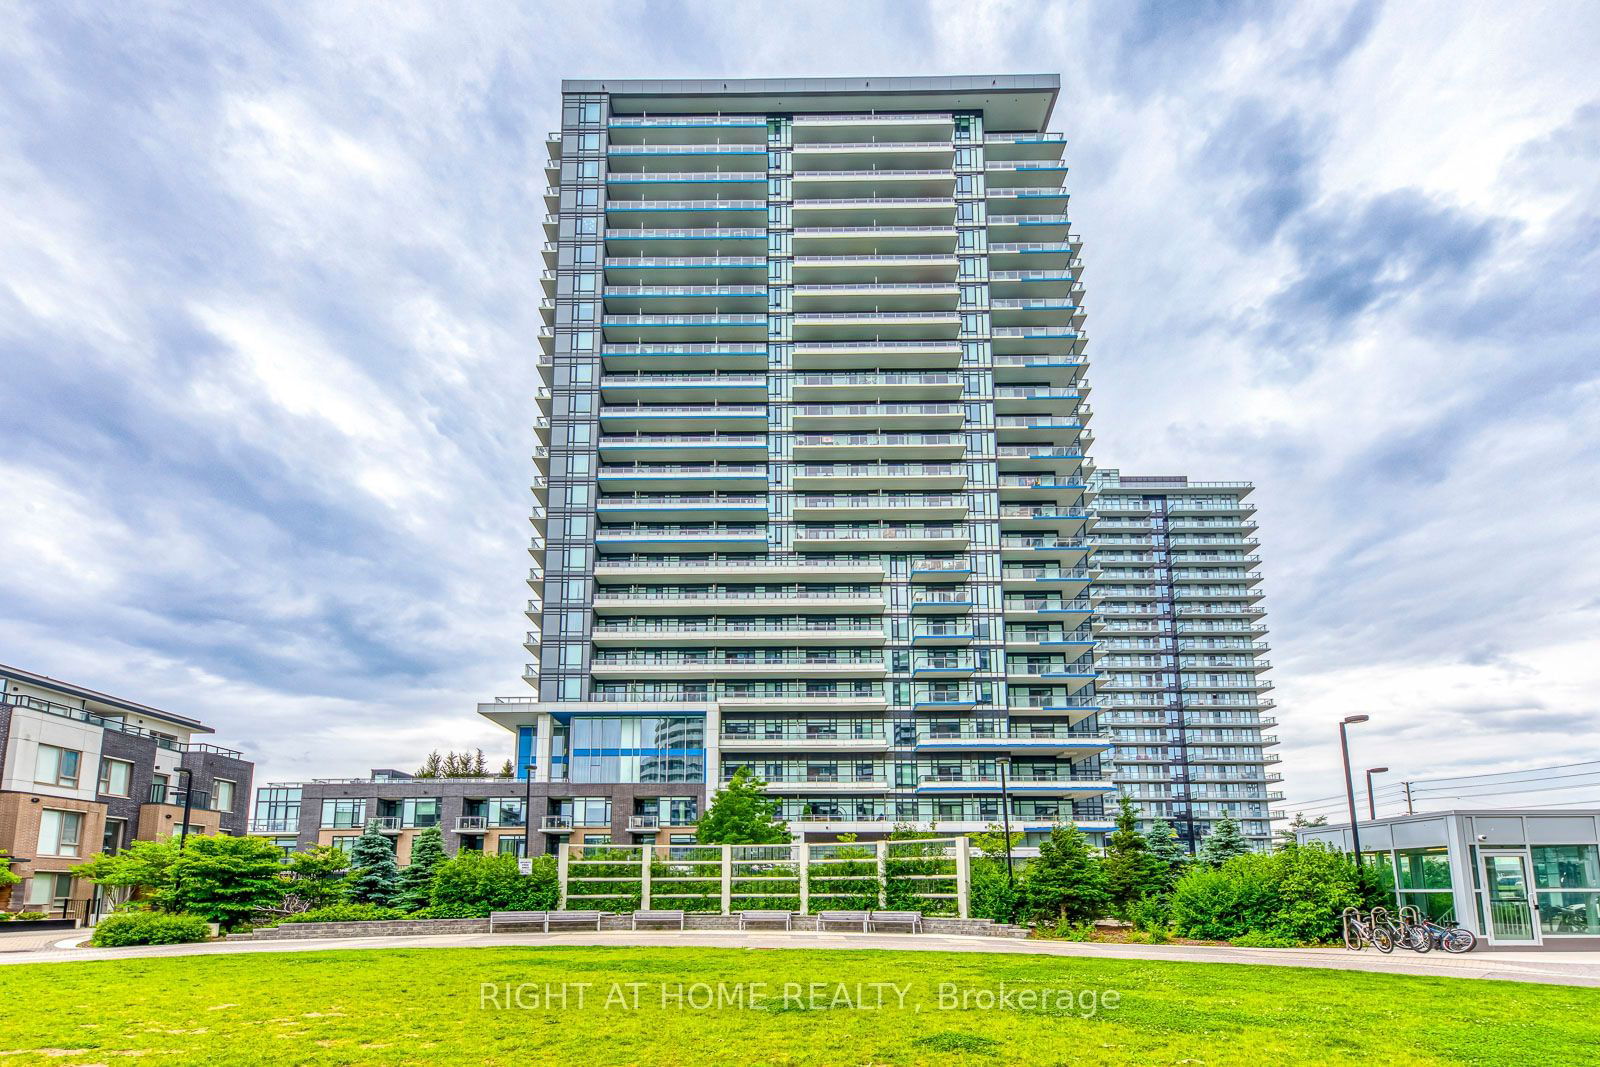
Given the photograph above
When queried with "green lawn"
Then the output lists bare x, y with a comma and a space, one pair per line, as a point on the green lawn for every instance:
414, 1005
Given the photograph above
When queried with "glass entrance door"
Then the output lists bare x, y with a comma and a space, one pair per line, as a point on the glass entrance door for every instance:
1505, 880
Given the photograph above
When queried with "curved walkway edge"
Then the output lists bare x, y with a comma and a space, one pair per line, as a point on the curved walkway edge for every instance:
1569, 968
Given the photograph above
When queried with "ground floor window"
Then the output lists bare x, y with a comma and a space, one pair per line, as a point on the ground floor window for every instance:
48, 891
1567, 880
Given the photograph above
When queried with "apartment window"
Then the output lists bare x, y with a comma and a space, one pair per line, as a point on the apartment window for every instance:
597, 839
344, 813
116, 777
59, 832
49, 890
158, 789
115, 837
57, 766
222, 794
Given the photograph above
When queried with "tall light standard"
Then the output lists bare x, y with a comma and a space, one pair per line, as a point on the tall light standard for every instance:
1372, 804
527, 809
188, 805
1003, 761
1349, 783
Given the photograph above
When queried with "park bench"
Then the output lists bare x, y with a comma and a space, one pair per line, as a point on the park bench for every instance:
854, 918
542, 918
645, 915
784, 917
912, 919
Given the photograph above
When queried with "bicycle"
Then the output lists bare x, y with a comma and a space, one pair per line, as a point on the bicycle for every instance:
1450, 936
1359, 932
1407, 929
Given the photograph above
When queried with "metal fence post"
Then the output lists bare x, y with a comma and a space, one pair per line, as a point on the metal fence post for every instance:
963, 877
727, 879
561, 869
644, 874
803, 864
883, 874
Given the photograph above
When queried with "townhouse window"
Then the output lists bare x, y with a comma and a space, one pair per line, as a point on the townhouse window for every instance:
57, 766
116, 777
48, 890
222, 792
59, 832
158, 789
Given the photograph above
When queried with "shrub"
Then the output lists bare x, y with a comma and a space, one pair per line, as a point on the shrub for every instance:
472, 884
5, 916
345, 913
1294, 896
148, 928
1149, 915
1066, 930
993, 896
29, 916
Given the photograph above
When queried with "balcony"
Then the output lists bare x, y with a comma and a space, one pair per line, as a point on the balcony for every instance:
1036, 399
714, 665
684, 476
875, 126
942, 634
386, 824
1063, 519
624, 184
1042, 742
875, 354
872, 240
887, 416
941, 603
738, 570
887, 445
880, 476
860, 297
684, 385
876, 182
649, 448
728, 326
639, 418
883, 266
683, 506
869, 537
681, 356
879, 325
687, 241
1066, 549
555, 824
1086, 784
898, 506
873, 153
668, 160
1061, 489
1069, 581
1055, 369
798, 631
737, 601
472, 824
1048, 609
687, 212
668, 537
642, 299
690, 270
1061, 462
941, 570
894, 210
848, 740
841, 782
685, 129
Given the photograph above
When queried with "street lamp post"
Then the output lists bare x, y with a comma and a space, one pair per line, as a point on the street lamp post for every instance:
1005, 821
527, 810
188, 805
1372, 804
1349, 783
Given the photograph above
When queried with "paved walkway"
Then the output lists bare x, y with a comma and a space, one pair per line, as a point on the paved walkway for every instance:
1558, 968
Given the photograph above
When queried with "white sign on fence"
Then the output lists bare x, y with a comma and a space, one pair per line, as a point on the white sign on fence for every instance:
525, 866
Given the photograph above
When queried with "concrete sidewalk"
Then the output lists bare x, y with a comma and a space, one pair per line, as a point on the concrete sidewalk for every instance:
1566, 968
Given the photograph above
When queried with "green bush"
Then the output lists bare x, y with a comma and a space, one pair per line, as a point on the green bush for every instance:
1149, 915
473, 884
993, 895
346, 913
1294, 896
5, 916
29, 916
148, 928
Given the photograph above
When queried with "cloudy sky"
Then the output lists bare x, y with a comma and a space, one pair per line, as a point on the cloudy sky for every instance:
268, 278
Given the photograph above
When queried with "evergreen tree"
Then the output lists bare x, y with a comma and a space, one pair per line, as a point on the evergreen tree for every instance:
374, 875
226, 880
1224, 842
1131, 871
1299, 822
432, 767
416, 881
507, 771
742, 814
1167, 852
1067, 881
316, 878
